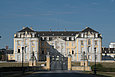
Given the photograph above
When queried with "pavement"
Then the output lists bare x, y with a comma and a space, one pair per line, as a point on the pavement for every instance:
60, 73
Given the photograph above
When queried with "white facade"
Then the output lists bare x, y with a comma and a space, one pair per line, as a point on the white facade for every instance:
57, 43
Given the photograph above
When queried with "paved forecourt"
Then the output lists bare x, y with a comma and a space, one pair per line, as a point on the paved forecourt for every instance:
59, 73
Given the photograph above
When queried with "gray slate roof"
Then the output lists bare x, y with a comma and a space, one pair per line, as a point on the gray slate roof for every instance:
57, 33
26, 29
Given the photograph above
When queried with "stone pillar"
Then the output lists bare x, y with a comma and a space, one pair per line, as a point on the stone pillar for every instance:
33, 60
30, 63
69, 62
48, 62
84, 63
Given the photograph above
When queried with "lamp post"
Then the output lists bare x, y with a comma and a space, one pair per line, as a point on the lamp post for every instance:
22, 60
84, 59
23, 57
95, 61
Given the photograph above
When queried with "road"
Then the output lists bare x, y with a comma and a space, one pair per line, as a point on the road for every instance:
60, 73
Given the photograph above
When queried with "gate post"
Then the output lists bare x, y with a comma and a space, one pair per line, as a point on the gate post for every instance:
69, 62
48, 61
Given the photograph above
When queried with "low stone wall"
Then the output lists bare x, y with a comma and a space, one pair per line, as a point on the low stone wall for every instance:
81, 68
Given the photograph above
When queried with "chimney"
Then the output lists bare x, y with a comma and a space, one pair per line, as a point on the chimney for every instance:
23, 27
6, 47
31, 28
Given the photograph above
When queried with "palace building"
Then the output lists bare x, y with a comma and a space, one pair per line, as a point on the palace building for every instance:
57, 43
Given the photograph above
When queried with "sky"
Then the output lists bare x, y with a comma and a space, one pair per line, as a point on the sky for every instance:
74, 15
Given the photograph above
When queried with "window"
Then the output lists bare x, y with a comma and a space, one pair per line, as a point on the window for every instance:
42, 38
72, 43
96, 35
61, 45
42, 52
33, 34
82, 50
95, 42
48, 38
72, 52
69, 38
67, 50
32, 42
81, 42
18, 42
89, 49
82, 35
89, 57
89, 41
42, 43
67, 43
18, 34
18, 50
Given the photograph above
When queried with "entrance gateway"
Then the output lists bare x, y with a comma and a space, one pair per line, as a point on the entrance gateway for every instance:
59, 62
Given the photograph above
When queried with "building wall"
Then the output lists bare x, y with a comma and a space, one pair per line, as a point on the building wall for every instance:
58, 45
32, 46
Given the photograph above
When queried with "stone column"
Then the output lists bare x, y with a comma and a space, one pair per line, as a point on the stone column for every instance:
48, 62
69, 62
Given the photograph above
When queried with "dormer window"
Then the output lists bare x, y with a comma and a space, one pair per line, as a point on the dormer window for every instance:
67, 38
42, 38
18, 34
105, 51
33, 34
96, 35
109, 51
72, 38
81, 34
48, 38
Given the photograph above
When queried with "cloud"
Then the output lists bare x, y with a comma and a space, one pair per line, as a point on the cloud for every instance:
112, 0
27, 15
94, 3
46, 14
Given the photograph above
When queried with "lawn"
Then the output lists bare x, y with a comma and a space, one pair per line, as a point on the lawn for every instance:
15, 64
104, 64
102, 74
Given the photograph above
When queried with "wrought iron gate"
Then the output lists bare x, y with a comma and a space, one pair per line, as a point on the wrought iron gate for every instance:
59, 63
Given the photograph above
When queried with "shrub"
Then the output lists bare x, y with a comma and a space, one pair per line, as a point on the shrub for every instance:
99, 67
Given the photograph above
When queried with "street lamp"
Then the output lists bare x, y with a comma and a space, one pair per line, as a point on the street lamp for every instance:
95, 61
84, 59
22, 59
